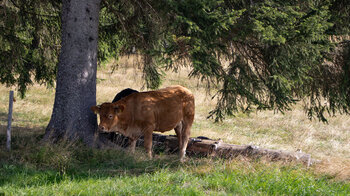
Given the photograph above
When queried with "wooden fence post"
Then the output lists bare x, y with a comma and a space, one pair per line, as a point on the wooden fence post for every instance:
9, 121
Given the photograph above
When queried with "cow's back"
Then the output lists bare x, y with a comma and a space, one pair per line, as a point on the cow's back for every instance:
164, 108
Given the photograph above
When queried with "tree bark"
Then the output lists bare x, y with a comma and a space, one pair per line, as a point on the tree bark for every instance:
76, 75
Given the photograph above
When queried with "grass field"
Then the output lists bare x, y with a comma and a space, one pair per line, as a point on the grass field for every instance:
72, 169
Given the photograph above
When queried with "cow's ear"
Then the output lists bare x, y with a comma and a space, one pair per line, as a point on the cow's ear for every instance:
96, 109
119, 108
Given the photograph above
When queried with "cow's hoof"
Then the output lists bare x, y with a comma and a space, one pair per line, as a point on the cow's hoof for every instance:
132, 151
182, 159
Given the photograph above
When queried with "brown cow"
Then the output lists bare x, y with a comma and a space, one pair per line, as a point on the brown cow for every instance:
142, 113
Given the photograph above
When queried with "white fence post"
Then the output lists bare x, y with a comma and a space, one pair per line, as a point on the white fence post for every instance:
9, 121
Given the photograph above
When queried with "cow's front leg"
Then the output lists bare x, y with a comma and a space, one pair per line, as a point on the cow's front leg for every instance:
148, 143
132, 145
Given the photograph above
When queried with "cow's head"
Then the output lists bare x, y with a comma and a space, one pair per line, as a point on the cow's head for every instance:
109, 115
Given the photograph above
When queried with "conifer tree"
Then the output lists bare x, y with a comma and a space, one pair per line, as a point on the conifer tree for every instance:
259, 54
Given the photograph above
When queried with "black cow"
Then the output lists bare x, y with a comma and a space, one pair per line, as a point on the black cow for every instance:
124, 93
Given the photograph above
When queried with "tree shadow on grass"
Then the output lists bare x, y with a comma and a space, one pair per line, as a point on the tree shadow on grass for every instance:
20, 135
21, 175
32, 163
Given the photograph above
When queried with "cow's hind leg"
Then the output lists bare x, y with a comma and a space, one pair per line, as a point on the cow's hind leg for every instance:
178, 131
186, 130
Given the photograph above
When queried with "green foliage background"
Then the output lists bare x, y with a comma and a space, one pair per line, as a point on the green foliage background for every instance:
261, 54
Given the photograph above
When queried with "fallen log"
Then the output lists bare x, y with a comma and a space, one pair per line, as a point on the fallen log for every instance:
217, 148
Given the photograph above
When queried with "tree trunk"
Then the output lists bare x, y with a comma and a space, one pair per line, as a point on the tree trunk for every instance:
76, 75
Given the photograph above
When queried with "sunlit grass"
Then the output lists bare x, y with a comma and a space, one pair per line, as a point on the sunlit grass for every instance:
285, 181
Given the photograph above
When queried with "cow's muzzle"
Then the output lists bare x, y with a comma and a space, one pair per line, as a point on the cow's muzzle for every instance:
102, 129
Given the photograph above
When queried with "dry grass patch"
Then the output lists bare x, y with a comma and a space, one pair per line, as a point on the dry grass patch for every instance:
338, 167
